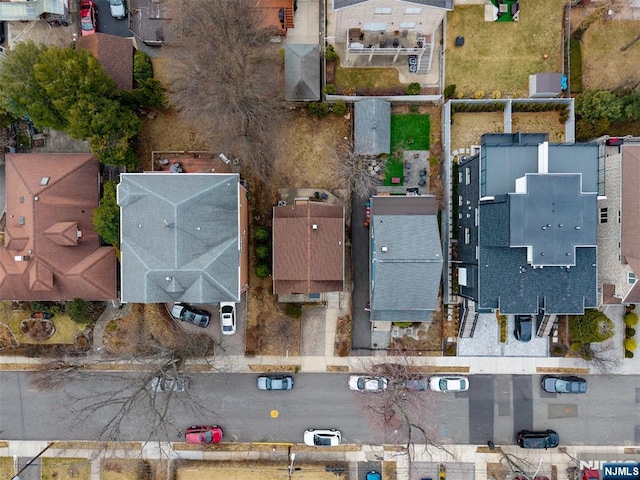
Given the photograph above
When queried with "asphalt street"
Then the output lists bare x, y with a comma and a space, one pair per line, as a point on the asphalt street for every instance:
494, 408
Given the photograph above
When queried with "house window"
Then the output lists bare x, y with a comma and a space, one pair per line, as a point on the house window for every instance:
467, 174
477, 216
459, 200
374, 26
477, 251
44, 181
413, 11
21, 220
460, 177
407, 24
466, 236
21, 199
603, 215
631, 277
383, 11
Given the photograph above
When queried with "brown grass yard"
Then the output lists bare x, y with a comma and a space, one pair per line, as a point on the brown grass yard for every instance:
57, 468
469, 127
604, 65
501, 56
365, 81
539, 122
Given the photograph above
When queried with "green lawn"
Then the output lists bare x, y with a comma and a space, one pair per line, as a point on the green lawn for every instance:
410, 131
498, 56
394, 168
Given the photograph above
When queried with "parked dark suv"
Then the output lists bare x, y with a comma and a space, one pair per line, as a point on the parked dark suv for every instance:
524, 327
545, 439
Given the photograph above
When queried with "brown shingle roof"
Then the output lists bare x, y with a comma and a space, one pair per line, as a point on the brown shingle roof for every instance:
115, 55
52, 251
308, 260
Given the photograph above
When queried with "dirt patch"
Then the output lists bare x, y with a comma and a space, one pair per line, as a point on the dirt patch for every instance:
496, 471
246, 470
123, 469
337, 368
467, 128
7, 339
37, 329
344, 328
56, 468
539, 122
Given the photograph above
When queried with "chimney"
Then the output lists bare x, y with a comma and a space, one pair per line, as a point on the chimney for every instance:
314, 226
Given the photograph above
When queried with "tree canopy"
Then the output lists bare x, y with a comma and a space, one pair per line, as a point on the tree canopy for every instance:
66, 89
106, 218
594, 105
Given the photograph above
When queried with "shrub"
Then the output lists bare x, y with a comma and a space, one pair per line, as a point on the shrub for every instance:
413, 88
403, 324
330, 89
340, 108
330, 54
263, 270
593, 326
628, 354
414, 109
78, 310
261, 234
142, 67
293, 310
631, 319
312, 108
563, 115
323, 109
557, 351
496, 94
575, 57
478, 94
629, 332
449, 91
263, 252
630, 344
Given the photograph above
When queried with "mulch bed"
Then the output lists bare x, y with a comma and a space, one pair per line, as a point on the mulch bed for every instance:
37, 329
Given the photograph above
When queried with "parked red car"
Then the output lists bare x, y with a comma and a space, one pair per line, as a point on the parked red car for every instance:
88, 17
211, 434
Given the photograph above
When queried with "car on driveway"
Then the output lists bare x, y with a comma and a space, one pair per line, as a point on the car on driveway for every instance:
189, 314
561, 384
169, 384
363, 383
228, 318
203, 434
450, 383
524, 328
543, 439
275, 382
118, 9
322, 437
88, 17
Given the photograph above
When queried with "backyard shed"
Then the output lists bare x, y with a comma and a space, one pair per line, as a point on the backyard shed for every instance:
301, 73
372, 127
545, 85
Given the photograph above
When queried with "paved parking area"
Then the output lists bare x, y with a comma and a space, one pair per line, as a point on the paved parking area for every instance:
108, 24
486, 341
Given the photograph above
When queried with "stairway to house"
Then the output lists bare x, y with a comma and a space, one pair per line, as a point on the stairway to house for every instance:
288, 18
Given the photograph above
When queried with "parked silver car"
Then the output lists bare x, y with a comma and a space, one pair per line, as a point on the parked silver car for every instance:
275, 382
169, 384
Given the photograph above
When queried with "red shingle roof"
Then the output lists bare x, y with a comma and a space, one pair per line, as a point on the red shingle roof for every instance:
308, 259
115, 55
52, 251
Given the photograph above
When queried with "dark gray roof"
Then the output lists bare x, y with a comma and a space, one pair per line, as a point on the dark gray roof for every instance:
447, 4
372, 127
179, 237
502, 276
506, 157
406, 263
545, 84
552, 218
301, 73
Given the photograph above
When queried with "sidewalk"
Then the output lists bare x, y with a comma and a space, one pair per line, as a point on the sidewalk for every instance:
460, 462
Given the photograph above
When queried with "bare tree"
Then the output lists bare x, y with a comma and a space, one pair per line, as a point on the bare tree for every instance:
226, 78
127, 398
357, 174
404, 416
603, 357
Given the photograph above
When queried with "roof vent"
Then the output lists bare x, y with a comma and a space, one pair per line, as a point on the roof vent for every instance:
314, 226
384, 249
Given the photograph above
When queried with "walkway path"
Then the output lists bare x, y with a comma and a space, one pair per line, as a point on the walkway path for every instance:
109, 314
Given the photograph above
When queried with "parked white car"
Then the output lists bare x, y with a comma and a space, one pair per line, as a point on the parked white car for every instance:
363, 383
228, 318
449, 384
118, 9
318, 437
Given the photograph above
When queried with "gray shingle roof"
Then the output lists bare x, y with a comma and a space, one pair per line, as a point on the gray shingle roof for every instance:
502, 276
447, 4
179, 237
372, 127
301, 73
406, 264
